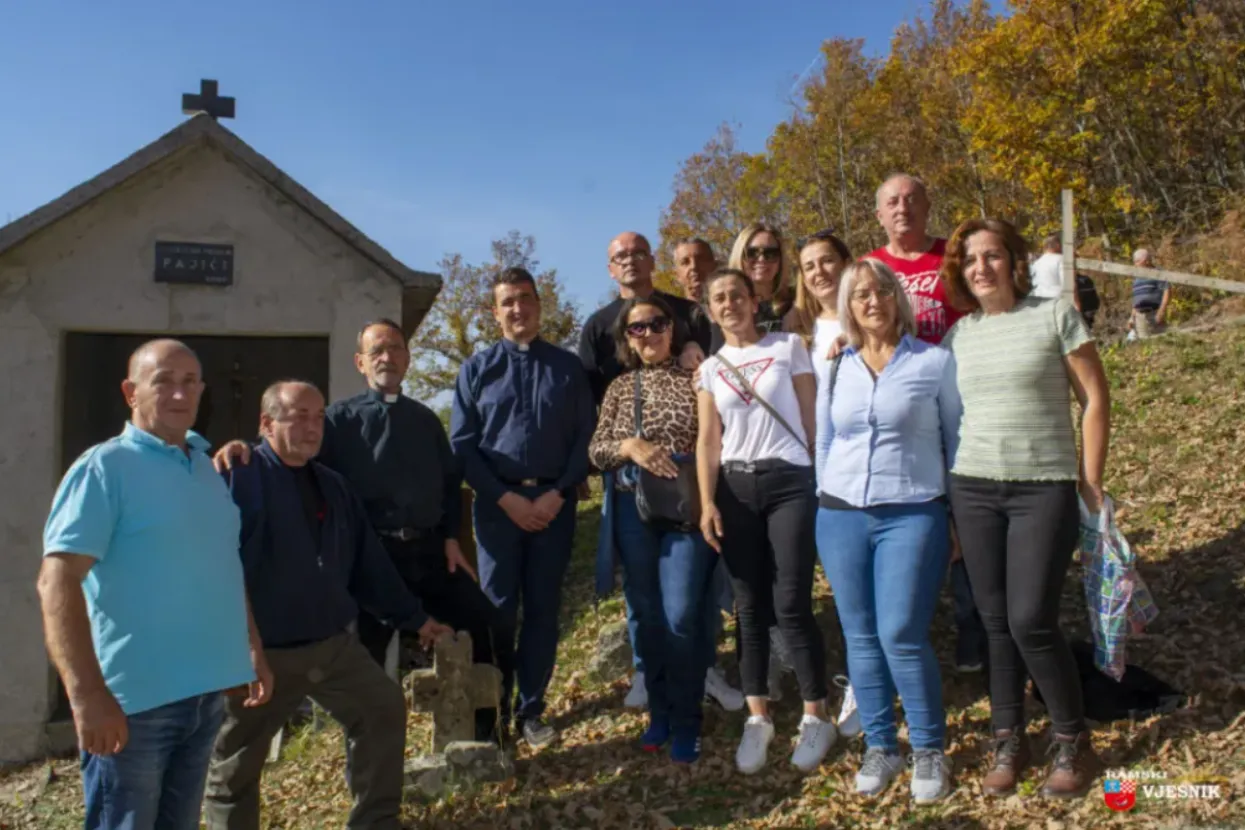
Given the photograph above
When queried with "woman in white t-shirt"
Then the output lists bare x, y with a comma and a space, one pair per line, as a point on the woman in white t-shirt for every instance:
759, 507
822, 256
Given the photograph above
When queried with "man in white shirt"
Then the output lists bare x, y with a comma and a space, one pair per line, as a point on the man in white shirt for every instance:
1045, 273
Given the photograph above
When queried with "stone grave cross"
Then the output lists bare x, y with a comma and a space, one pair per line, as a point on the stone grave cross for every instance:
453, 689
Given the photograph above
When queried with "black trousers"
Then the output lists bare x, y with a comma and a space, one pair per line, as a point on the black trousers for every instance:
770, 549
1018, 538
453, 599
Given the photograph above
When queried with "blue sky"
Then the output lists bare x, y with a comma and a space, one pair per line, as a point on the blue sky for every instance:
433, 127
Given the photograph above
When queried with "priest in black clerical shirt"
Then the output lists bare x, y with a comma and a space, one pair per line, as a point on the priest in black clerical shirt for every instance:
311, 561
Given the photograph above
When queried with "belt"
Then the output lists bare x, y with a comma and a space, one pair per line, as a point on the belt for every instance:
529, 482
407, 534
765, 465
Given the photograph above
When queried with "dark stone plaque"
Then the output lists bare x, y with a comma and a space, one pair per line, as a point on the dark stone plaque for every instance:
191, 262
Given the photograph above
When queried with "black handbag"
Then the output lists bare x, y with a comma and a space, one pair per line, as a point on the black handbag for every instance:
670, 503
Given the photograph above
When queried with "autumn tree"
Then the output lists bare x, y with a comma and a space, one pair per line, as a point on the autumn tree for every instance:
717, 192
1137, 105
460, 322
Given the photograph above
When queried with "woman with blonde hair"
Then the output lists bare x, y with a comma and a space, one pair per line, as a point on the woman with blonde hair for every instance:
887, 428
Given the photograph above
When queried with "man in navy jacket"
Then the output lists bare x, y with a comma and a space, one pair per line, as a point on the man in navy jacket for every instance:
311, 560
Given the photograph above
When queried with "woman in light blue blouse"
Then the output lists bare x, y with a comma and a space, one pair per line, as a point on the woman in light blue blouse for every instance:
886, 433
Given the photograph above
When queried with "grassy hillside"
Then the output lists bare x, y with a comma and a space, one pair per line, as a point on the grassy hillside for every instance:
1176, 472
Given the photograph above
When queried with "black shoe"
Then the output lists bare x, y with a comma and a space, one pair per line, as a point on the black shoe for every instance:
537, 733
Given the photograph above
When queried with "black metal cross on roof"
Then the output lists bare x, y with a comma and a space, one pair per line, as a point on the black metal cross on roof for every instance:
207, 101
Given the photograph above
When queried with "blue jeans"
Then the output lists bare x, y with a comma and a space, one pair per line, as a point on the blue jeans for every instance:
667, 578
156, 781
886, 566
720, 600
518, 566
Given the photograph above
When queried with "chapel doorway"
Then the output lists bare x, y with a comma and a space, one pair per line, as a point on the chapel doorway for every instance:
236, 370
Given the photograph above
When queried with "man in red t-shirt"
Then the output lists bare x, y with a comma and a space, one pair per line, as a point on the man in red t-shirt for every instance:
914, 255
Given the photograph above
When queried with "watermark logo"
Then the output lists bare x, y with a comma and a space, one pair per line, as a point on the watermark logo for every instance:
1120, 789
1120, 794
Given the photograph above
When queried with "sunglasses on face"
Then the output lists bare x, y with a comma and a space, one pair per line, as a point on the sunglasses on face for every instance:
641, 328
765, 254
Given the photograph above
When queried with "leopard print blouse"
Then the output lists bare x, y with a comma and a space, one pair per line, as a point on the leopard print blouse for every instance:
668, 407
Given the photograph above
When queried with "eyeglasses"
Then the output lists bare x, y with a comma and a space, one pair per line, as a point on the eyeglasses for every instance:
862, 295
656, 325
623, 256
765, 254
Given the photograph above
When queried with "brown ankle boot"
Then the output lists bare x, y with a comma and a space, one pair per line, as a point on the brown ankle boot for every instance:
1074, 768
1011, 756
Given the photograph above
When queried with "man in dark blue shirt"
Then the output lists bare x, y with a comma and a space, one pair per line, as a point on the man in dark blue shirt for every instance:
310, 560
1150, 299
395, 455
522, 419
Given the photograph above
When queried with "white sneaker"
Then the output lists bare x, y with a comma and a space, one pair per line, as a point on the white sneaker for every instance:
637, 697
878, 770
931, 775
849, 715
716, 687
753, 746
816, 738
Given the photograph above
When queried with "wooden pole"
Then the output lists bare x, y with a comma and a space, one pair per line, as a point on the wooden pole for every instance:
1068, 247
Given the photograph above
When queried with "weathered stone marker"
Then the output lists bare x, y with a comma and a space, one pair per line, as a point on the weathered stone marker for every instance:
452, 690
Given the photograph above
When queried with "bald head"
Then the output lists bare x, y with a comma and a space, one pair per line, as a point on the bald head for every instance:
153, 353
162, 388
903, 211
631, 264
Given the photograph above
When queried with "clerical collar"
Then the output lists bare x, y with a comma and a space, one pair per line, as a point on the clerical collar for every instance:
386, 397
518, 347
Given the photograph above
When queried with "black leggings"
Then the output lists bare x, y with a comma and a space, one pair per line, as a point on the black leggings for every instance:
769, 546
1018, 538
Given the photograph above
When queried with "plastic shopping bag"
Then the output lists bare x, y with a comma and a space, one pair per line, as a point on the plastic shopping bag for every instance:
1117, 597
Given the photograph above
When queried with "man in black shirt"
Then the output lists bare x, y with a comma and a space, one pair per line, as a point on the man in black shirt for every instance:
311, 561
631, 265
396, 456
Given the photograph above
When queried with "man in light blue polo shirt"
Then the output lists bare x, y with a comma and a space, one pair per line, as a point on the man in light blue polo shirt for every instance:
144, 604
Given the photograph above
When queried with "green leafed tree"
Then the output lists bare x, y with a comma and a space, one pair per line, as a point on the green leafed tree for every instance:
460, 322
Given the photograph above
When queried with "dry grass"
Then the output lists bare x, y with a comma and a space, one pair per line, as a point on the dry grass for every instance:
1177, 474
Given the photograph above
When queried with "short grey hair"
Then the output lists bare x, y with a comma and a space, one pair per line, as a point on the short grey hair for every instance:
916, 180
905, 320
1141, 256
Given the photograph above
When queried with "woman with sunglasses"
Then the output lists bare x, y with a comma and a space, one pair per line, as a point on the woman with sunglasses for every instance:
758, 507
886, 431
758, 252
667, 571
